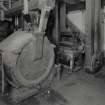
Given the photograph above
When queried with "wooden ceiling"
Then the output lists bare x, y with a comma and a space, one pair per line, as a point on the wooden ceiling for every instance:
72, 5
73, 2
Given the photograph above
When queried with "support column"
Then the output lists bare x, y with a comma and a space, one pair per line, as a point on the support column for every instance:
62, 16
89, 32
93, 31
103, 36
56, 27
97, 34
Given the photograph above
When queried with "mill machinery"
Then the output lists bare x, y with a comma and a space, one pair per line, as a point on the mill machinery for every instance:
27, 54
44, 38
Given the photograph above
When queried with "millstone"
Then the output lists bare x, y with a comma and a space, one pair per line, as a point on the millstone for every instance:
28, 59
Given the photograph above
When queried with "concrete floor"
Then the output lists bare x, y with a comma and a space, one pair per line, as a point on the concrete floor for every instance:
77, 89
82, 89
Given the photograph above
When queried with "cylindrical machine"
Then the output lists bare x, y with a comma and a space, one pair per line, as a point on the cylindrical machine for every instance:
19, 57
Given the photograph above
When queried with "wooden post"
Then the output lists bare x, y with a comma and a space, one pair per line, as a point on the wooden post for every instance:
62, 16
103, 36
97, 34
89, 33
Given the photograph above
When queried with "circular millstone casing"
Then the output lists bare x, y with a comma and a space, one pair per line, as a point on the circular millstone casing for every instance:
20, 59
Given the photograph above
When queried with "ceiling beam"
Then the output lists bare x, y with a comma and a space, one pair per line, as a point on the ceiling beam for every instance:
70, 1
77, 6
72, 5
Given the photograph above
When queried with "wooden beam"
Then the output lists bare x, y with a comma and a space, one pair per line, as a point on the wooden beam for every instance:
97, 27
62, 16
77, 6
72, 5
56, 27
89, 33
78, 1
70, 1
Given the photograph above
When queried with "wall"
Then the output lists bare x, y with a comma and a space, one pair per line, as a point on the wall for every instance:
78, 18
